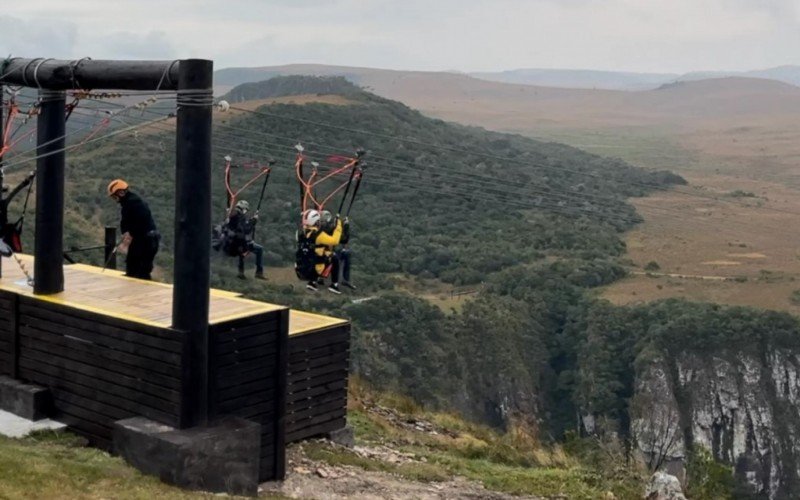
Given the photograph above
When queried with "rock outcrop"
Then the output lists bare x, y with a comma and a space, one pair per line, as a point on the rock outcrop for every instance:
664, 487
744, 407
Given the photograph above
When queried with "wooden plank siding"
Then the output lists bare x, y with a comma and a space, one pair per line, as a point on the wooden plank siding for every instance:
316, 398
7, 333
99, 369
106, 352
248, 380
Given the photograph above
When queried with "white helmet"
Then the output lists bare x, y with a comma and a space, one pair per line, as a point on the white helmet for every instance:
242, 206
310, 218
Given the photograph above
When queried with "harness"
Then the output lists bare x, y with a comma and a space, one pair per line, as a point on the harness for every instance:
223, 236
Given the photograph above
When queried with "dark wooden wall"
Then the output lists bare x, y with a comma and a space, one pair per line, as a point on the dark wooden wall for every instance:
248, 379
99, 369
7, 357
316, 400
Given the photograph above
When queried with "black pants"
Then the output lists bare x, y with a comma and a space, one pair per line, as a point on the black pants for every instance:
139, 262
335, 269
344, 254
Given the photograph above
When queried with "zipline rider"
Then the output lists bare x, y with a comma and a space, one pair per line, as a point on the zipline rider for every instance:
140, 238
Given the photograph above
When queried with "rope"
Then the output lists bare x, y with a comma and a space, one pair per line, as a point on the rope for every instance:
36, 71
29, 278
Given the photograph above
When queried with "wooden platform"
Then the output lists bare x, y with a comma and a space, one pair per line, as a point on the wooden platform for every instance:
106, 351
111, 293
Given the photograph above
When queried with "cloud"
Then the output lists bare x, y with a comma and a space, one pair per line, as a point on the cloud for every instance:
39, 38
469, 35
128, 45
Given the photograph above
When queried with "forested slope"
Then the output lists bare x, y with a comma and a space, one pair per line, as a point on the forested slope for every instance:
536, 225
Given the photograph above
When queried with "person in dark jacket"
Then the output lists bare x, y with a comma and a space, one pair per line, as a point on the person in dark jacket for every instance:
239, 240
140, 237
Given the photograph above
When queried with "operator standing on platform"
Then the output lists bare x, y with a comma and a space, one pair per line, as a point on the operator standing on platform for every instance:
140, 238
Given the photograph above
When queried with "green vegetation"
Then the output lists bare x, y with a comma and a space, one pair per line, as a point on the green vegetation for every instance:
708, 478
51, 466
512, 461
652, 266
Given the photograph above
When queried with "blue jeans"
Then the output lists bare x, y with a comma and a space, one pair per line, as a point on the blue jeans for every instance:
256, 250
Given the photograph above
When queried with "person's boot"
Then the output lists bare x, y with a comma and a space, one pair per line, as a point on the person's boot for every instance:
241, 275
349, 285
260, 275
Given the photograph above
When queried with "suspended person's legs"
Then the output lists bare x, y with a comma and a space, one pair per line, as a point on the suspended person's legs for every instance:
240, 267
258, 251
334, 288
344, 261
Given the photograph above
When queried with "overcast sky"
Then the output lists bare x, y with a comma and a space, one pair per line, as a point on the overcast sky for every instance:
466, 35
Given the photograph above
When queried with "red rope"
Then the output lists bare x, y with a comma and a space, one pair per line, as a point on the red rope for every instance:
232, 195
313, 182
13, 112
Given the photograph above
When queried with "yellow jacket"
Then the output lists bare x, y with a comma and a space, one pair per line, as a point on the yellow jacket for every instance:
324, 243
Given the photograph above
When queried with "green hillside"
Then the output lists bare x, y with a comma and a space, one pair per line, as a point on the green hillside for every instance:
425, 218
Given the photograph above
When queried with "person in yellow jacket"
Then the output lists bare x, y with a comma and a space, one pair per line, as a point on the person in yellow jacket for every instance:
324, 231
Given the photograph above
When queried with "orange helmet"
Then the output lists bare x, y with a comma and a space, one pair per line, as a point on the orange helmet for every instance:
116, 185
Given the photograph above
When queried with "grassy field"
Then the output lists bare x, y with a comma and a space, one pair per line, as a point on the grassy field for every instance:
57, 466
723, 238
732, 221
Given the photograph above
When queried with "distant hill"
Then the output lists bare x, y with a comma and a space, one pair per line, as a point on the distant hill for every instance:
580, 78
520, 108
281, 86
786, 74
622, 80
227, 78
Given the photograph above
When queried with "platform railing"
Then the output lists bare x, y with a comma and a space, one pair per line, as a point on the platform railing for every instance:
109, 256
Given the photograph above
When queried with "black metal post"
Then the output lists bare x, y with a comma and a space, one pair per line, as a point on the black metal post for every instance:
109, 256
87, 73
48, 270
4, 214
190, 296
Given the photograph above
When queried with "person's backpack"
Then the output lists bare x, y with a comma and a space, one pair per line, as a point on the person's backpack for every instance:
217, 237
306, 258
12, 236
224, 238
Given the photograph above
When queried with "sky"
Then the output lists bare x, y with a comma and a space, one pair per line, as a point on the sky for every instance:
673, 36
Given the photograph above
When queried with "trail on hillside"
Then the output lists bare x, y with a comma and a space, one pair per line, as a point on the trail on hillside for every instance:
306, 478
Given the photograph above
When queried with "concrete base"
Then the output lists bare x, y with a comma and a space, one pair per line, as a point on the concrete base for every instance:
344, 436
30, 402
221, 458
17, 427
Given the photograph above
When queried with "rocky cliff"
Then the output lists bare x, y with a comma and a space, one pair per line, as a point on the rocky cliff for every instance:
744, 407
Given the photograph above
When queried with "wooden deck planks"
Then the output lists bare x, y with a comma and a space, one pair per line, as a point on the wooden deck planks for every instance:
110, 293
302, 322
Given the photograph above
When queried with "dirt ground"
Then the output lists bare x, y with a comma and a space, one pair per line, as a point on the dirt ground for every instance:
306, 478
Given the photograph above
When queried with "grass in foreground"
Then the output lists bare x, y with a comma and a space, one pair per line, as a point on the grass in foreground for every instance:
52, 465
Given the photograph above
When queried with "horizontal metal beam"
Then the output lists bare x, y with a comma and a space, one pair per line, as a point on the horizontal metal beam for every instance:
84, 74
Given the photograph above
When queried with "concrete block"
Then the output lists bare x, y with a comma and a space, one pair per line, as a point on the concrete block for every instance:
31, 402
222, 457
